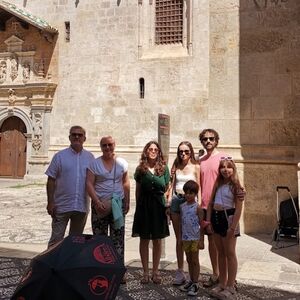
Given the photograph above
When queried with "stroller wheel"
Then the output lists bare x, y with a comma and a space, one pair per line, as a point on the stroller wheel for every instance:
275, 235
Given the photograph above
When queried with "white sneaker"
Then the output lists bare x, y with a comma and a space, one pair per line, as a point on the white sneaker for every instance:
180, 278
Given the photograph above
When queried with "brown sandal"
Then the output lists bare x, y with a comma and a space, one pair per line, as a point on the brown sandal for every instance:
145, 279
211, 281
156, 278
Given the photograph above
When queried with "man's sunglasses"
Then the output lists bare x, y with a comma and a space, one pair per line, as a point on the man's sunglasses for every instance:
73, 134
205, 139
107, 145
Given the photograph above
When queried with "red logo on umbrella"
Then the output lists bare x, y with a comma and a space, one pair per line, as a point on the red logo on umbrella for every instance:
98, 285
104, 254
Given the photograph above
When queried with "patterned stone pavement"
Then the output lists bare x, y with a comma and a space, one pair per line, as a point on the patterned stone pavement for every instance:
11, 270
264, 273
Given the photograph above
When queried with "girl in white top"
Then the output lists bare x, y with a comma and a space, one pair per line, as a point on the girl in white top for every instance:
185, 168
224, 212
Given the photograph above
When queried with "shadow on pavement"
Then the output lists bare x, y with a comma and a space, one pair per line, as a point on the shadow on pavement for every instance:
285, 247
12, 269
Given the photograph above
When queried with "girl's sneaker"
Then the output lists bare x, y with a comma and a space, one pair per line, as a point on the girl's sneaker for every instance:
228, 293
193, 290
185, 288
180, 278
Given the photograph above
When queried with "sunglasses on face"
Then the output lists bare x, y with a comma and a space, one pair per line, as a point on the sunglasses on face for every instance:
186, 152
107, 145
73, 134
226, 158
153, 149
205, 139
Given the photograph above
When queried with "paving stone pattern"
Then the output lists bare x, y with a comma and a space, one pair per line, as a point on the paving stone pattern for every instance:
24, 220
11, 270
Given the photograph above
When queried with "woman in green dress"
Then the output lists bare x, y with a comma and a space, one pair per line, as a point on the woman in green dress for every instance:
150, 219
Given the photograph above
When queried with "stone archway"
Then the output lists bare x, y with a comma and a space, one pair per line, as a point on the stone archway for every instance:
13, 148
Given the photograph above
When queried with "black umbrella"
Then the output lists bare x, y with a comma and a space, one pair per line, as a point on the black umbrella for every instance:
80, 267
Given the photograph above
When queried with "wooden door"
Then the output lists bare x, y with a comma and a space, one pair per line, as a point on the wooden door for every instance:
13, 148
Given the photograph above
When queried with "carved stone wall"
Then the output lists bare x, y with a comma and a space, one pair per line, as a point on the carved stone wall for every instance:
26, 88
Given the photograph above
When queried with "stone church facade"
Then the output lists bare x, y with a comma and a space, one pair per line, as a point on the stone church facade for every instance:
113, 65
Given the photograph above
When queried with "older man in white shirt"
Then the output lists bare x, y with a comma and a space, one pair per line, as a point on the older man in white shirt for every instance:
66, 193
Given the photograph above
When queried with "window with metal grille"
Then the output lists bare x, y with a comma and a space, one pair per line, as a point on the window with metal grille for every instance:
168, 21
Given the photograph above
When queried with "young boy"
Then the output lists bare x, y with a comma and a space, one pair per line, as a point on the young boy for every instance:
192, 235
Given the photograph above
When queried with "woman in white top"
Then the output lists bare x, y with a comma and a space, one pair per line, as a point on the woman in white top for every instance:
108, 175
185, 168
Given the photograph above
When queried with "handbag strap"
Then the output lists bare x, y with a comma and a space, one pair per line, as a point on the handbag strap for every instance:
174, 184
223, 204
115, 167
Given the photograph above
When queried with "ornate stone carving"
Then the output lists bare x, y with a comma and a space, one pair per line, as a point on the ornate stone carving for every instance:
3, 71
41, 69
37, 126
14, 44
12, 96
26, 72
263, 4
36, 144
37, 120
14, 65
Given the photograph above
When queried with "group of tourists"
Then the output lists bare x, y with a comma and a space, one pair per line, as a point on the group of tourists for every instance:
201, 196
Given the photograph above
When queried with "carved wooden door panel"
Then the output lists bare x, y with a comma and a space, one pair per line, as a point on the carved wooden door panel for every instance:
13, 148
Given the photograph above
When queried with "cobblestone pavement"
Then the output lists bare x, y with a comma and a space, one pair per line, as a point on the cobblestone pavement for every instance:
264, 273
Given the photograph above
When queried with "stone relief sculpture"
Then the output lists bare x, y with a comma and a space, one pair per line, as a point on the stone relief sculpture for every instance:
37, 124
26, 72
13, 68
41, 69
12, 96
36, 145
3, 70
37, 121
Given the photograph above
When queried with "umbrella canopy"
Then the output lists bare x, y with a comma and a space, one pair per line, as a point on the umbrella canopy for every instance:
80, 267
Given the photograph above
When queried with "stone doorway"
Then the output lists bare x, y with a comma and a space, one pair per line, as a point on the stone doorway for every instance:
13, 148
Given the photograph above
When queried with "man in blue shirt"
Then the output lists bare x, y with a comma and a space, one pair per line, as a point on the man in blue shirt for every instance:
66, 193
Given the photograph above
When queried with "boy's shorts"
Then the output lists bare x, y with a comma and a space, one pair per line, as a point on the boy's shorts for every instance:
190, 246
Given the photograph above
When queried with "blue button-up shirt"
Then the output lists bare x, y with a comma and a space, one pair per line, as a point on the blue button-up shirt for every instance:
68, 168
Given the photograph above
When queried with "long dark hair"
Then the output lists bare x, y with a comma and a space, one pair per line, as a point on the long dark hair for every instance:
160, 164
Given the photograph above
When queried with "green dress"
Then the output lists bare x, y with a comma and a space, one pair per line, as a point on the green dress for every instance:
150, 220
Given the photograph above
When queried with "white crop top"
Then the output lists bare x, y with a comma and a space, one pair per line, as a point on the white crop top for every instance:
181, 179
225, 197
